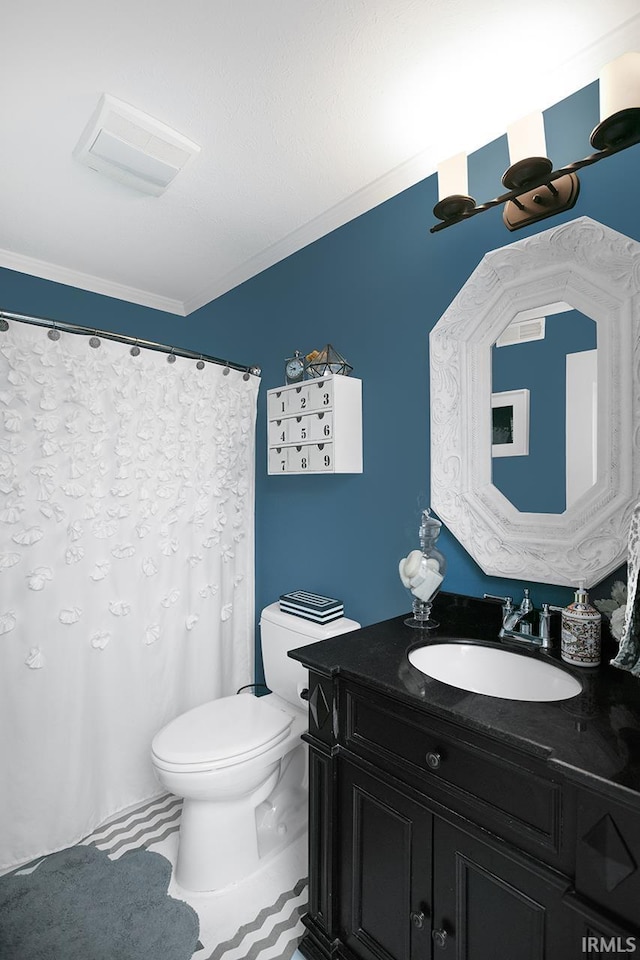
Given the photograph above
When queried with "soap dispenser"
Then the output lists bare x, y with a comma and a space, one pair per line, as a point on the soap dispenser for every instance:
581, 623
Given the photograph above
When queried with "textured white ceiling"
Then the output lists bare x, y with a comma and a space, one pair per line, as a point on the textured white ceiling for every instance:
308, 113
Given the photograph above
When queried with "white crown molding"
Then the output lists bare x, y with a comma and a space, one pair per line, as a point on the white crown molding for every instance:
597, 271
84, 281
400, 178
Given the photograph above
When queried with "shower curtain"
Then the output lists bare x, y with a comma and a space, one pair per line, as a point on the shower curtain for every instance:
126, 569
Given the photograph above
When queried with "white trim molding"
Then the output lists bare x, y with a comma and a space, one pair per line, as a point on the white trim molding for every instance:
597, 271
85, 281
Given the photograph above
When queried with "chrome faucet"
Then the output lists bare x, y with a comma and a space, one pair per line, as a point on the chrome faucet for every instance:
517, 622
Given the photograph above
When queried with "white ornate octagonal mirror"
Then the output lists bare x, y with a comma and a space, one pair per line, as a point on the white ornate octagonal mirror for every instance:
583, 270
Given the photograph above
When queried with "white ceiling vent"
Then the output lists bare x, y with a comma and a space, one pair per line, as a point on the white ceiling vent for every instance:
127, 145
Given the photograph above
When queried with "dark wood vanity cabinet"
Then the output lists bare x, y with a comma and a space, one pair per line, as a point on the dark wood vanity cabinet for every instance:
428, 840
413, 885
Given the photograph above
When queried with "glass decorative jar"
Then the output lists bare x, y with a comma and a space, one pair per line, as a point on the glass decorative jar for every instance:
422, 572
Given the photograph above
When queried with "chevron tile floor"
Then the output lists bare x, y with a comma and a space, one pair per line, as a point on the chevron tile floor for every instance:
258, 919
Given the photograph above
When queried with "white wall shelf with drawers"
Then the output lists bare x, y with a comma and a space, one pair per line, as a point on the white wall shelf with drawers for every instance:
315, 426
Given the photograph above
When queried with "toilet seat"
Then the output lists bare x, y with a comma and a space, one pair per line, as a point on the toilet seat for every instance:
220, 733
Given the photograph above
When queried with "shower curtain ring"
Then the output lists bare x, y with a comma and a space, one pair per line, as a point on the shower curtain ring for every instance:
227, 369
135, 350
54, 333
94, 341
200, 364
172, 357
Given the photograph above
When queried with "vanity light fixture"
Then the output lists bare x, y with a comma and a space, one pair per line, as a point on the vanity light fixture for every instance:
535, 190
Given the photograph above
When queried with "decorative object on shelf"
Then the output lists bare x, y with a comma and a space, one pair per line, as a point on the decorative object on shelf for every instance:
535, 189
422, 572
327, 362
294, 368
310, 357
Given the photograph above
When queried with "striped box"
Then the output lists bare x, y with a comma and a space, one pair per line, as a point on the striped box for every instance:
311, 606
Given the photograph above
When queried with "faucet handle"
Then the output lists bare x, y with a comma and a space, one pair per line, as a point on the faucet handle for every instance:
526, 605
507, 602
545, 624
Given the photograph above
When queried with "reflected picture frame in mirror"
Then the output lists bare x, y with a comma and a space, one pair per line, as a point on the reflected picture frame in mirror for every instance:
510, 423
597, 271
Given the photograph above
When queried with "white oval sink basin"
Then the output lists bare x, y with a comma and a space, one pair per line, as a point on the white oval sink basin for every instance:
494, 672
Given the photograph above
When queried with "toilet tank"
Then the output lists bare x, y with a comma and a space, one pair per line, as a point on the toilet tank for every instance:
281, 632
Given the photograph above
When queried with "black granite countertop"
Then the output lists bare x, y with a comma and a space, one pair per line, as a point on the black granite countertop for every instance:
592, 738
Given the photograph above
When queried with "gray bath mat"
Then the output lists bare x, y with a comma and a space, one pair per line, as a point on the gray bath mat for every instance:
81, 905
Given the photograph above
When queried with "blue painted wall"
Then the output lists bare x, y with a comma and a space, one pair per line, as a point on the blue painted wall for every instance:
374, 288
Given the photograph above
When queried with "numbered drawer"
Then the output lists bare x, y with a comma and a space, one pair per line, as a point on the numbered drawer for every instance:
299, 430
321, 426
298, 399
320, 394
278, 432
277, 404
279, 460
321, 456
299, 459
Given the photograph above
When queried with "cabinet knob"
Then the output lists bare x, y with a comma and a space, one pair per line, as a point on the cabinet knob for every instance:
433, 759
439, 937
304, 693
417, 920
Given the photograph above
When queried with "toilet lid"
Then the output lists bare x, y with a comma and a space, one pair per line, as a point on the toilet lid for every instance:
221, 730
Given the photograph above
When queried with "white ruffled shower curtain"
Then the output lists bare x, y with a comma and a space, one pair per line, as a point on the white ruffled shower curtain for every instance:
126, 570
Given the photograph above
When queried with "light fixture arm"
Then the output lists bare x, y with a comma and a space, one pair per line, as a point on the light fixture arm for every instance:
518, 203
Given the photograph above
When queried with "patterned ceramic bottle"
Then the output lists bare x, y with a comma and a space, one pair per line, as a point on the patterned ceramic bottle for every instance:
581, 631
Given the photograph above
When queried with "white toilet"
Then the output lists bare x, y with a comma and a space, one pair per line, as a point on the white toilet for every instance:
240, 765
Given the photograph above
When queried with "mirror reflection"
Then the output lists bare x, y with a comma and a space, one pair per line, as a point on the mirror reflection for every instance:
544, 408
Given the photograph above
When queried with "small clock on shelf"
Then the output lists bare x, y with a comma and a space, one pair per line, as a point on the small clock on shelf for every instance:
294, 368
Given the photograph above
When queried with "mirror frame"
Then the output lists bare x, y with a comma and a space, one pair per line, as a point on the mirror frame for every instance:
597, 271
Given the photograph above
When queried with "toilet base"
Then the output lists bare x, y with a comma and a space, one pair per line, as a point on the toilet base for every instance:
223, 843
284, 814
218, 843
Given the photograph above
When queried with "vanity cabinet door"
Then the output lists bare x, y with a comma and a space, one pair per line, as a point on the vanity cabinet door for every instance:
489, 902
385, 869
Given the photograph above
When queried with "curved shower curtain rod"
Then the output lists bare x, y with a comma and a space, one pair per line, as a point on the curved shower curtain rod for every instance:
122, 338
